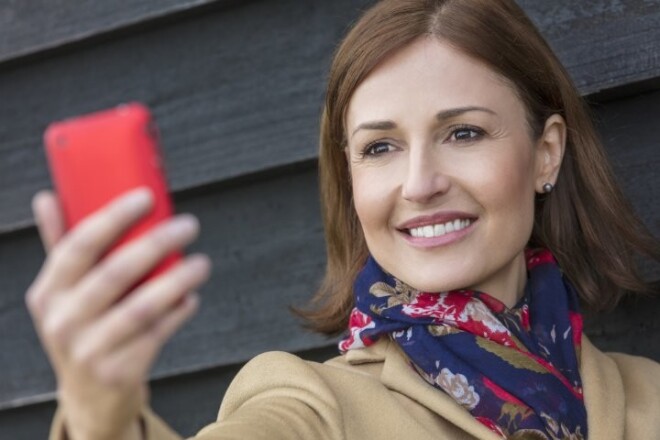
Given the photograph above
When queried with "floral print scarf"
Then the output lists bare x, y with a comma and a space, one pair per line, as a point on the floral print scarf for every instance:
515, 370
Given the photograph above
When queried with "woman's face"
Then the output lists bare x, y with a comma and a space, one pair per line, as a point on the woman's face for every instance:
444, 171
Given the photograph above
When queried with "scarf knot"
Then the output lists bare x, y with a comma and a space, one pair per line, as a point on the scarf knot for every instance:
516, 370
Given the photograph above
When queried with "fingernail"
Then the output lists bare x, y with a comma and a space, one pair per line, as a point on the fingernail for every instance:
200, 263
138, 199
183, 225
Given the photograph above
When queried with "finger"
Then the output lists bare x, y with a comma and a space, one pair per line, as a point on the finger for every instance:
107, 282
112, 278
50, 224
130, 364
48, 217
69, 258
81, 248
142, 308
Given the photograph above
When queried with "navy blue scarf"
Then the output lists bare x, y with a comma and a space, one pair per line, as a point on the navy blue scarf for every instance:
516, 370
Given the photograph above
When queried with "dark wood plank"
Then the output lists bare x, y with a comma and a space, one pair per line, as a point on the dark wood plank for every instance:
238, 91
266, 242
34, 26
27, 422
604, 44
235, 91
633, 328
601, 34
630, 133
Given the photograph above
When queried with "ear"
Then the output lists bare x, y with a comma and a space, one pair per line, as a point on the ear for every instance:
550, 151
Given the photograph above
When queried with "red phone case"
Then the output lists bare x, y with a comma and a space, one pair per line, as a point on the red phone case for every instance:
97, 157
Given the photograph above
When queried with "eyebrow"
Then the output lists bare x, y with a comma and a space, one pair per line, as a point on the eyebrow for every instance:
441, 116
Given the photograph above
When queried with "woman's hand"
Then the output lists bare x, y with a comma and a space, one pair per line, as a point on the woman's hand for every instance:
101, 348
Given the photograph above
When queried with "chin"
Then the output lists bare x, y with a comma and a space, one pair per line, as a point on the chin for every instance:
439, 273
437, 281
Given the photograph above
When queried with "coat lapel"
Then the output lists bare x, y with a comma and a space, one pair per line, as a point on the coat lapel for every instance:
603, 390
399, 376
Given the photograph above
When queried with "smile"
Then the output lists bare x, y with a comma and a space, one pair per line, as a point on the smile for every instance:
438, 230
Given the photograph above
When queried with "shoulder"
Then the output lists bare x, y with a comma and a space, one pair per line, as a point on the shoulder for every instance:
628, 364
271, 372
281, 392
281, 369
622, 393
278, 395
640, 377
277, 367
288, 376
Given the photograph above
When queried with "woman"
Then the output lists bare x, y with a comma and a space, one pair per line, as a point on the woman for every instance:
456, 158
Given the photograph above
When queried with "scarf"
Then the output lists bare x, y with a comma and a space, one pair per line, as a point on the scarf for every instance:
515, 370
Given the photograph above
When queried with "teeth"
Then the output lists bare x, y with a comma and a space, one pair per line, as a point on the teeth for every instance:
439, 230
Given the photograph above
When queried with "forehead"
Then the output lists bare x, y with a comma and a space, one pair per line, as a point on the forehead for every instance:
429, 74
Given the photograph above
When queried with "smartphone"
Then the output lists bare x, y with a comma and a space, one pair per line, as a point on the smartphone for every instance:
97, 157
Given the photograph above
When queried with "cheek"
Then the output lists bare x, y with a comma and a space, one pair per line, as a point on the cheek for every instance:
372, 200
509, 195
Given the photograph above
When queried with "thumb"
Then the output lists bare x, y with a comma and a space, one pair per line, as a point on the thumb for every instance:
49, 218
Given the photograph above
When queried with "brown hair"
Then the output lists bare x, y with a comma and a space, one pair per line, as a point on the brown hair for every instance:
586, 222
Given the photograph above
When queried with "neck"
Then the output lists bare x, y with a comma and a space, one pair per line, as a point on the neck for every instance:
508, 284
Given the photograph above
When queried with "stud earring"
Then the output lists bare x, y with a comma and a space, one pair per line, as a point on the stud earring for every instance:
548, 187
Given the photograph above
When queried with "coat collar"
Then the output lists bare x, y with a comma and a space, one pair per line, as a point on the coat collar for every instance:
399, 376
604, 393
603, 389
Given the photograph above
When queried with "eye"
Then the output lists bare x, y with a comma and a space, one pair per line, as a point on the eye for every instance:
377, 148
466, 134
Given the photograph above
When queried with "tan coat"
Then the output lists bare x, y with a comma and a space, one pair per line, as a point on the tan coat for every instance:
373, 394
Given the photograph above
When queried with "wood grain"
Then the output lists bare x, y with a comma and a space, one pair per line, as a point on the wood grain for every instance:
605, 43
238, 90
235, 92
35, 26
266, 243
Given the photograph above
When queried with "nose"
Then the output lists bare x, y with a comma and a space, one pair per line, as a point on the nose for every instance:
425, 178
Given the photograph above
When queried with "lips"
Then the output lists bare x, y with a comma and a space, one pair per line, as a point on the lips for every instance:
438, 230
441, 229
455, 218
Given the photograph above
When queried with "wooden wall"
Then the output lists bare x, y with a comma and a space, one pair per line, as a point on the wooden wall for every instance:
236, 87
